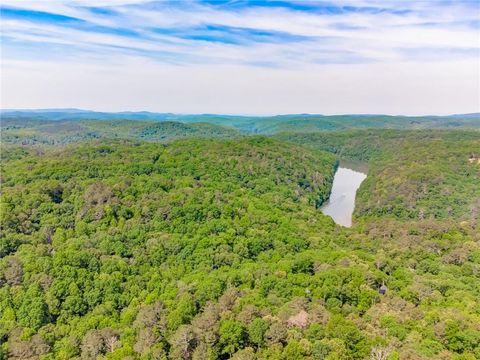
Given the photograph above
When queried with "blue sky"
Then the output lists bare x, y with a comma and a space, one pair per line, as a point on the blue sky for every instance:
260, 57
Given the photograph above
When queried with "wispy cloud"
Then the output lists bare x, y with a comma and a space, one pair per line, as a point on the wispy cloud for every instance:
281, 33
279, 53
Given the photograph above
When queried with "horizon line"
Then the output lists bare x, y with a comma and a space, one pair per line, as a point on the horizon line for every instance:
229, 114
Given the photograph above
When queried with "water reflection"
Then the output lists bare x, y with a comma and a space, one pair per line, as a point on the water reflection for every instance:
342, 199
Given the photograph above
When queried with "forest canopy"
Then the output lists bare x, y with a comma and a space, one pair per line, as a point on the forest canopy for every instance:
216, 248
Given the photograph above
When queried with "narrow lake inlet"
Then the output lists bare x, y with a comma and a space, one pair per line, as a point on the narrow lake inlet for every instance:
341, 203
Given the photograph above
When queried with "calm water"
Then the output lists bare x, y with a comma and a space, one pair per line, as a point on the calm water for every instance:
342, 199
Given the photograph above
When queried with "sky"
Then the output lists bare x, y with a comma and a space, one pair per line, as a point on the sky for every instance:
242, 57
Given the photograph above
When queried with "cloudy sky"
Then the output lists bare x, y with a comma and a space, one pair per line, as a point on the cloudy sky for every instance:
242, 57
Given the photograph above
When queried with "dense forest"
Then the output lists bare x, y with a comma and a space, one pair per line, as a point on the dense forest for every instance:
51, 132
413, 174
67, 126
140, 245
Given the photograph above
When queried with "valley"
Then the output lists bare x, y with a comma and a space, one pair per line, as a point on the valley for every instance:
240, 180
216, 247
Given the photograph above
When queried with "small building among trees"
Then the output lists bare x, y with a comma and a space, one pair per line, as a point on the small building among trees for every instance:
383, 289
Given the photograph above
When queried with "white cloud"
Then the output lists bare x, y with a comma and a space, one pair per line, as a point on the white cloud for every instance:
352, 62
138, 84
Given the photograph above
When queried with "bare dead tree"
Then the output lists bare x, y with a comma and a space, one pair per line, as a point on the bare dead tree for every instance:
381, 352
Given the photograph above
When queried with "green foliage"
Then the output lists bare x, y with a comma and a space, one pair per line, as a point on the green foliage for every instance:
211, 249
232, 336
52, 132
256, 331
412, 174
303, 123
32, 312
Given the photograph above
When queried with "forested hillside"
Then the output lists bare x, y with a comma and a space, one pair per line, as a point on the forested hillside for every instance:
57, 126
430, 179
314, 123
413, 174
282, 209
214, 249
52, 132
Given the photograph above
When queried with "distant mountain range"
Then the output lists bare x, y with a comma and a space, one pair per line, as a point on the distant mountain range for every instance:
252, 124
67, 114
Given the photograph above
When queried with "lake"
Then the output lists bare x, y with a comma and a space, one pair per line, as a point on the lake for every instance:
346, 182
